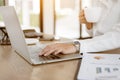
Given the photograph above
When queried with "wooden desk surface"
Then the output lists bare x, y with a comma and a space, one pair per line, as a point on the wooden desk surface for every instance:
14, 67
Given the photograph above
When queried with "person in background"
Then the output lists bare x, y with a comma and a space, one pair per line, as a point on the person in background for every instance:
105, 33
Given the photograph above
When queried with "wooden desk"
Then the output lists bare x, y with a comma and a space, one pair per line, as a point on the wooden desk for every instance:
14, 67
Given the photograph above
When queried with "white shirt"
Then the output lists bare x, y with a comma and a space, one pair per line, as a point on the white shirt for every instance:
106, 32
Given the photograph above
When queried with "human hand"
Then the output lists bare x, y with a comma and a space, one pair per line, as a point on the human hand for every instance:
82, 17
64, 48
84, 21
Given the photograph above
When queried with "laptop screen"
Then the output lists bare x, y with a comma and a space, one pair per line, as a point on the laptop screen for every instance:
14, 30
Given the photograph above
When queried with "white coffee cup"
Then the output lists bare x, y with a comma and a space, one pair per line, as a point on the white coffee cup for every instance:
92, 14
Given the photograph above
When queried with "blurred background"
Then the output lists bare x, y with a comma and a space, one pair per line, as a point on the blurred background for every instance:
58, 17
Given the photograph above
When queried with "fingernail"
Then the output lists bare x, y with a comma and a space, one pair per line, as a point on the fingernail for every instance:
45, 55
55, 53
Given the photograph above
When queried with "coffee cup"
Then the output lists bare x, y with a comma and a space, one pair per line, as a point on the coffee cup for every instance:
92, 14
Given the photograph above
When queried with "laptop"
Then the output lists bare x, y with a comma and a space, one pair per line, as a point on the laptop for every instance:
18, 42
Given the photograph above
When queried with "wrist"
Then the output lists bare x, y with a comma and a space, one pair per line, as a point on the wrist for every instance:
76, 44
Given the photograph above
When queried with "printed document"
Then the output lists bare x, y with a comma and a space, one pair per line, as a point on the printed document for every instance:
100, 67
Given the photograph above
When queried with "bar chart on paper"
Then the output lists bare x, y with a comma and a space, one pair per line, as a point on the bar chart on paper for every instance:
100, 70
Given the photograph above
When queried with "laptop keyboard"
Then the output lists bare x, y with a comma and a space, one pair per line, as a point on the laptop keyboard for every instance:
50, 57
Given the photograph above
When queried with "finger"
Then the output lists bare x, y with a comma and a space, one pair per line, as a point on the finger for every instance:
57, 52
46, 49
49, 52
82, 13
83, 20
82, 17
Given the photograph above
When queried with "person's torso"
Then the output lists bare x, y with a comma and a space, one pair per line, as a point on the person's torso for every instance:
110, 16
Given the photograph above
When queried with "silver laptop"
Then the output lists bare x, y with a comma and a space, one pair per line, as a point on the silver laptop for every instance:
17, 39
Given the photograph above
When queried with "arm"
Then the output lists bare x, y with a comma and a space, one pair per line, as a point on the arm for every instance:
110, 40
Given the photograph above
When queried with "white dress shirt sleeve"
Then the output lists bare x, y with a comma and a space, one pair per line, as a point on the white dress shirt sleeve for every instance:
107, 41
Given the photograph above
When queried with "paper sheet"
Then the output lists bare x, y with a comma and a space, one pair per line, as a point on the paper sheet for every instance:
100, 67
